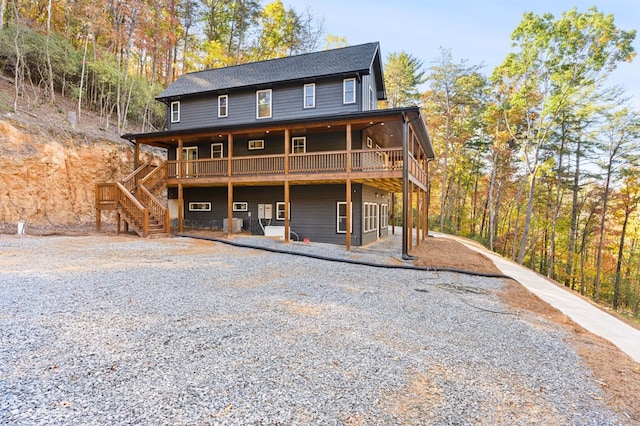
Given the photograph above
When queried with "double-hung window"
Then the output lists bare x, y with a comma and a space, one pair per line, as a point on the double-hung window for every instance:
299, 145
280, 210
263, 103
309, 95
223, 105
217, 150
175, 112
349, 91
341, 218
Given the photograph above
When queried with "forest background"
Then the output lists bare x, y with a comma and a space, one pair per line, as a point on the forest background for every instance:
537, 160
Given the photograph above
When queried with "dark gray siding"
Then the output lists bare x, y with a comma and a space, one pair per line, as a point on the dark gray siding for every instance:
202, 111
313, 209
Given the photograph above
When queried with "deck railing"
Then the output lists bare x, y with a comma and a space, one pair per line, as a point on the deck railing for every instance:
310, 162
106, 196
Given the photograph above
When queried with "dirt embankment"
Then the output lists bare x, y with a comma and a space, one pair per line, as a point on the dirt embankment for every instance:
48, 175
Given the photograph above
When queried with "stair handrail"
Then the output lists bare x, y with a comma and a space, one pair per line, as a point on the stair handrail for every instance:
136, 211
155, 207
156, 175
131, 180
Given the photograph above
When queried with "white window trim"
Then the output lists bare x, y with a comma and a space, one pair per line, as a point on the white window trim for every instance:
344, 91
304, 144
384, 216
369, 142
255, 144
186, 149
371, 215
200, 206
221, 145
240, 206
226, 105
258, 103
280, 210
313, 96
338, 204
175, 113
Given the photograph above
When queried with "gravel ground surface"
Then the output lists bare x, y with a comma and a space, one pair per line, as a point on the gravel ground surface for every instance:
121, 330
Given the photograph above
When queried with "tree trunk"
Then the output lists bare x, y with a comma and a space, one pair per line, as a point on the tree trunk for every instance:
603, 221
616, 288
52, 94
527, 220
573, 231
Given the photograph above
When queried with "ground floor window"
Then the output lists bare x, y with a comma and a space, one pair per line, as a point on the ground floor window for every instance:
280, 210
341, 217
240, 206
371, 212
200, 206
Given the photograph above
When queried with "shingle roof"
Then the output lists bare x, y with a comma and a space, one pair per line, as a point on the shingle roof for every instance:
351, 59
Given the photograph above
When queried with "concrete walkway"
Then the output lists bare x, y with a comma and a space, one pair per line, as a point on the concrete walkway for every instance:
580, 311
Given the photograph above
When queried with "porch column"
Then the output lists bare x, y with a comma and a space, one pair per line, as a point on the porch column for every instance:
410, 196
287, 150
136, 155
180, 206
179, 159
229, 208
348, 159
393, 213
286, 210
418, 217
349, 225
229, 154
406, 201
348, 189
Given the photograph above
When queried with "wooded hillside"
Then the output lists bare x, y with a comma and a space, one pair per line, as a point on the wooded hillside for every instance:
537, 159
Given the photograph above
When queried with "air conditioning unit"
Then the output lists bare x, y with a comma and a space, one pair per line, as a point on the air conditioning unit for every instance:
236, 225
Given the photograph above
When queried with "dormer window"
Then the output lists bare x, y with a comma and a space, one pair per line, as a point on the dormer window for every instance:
309, 95
175, 112
349, 90
263, 100
223, 101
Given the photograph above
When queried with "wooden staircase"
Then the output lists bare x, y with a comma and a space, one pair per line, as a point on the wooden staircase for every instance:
134, 203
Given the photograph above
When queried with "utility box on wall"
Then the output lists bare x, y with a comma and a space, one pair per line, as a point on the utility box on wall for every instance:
236, 225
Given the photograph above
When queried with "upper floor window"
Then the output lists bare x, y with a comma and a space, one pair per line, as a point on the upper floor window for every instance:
217, 150
263, 100
175, 112
299, 145
349, 90
310, 95
223, 109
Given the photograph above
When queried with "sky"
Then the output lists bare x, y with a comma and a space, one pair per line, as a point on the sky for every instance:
476, 31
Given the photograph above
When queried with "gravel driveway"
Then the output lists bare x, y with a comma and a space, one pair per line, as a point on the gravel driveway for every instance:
120, 330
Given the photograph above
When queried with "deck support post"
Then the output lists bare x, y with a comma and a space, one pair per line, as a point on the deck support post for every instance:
349, 224
418, 217
287, 200
406, 197
287, 150
348, 189
136, 155
229, 208
180, 208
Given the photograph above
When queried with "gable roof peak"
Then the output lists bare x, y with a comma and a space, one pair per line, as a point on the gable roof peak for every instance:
344, 60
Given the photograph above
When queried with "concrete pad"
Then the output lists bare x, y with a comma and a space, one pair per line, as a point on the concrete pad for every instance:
572, 305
